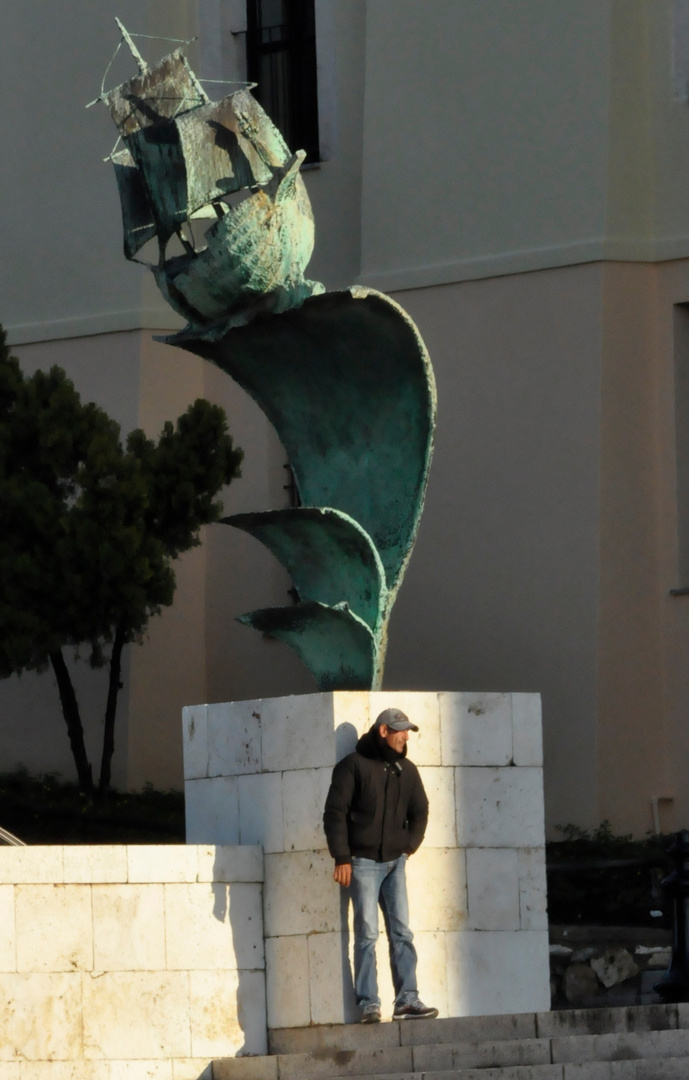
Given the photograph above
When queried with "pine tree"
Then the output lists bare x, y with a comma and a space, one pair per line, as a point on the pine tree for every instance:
90, 530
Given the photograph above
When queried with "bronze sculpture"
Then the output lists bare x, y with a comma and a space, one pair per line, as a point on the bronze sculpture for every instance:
344, 377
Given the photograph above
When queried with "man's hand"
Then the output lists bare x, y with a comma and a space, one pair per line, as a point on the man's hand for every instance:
343, 874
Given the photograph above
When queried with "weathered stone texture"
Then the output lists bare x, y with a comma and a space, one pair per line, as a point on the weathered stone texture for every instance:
476, 886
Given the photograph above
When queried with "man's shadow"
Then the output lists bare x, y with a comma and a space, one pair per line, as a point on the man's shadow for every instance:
346, 737
246, 982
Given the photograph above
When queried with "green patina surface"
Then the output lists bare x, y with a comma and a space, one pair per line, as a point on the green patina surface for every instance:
347, 383
344, 377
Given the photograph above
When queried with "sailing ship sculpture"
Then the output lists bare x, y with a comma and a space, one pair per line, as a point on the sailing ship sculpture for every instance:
344, 377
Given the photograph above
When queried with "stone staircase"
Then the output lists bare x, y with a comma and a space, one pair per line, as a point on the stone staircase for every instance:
648, 1042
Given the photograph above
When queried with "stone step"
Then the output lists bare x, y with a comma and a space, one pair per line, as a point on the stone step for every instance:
446, 1059
631, 1069
659, 1069
479, 1028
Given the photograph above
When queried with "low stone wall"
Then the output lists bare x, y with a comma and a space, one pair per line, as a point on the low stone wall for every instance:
258, 772
129, 961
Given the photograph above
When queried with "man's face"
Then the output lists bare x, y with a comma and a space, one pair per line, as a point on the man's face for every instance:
396, 740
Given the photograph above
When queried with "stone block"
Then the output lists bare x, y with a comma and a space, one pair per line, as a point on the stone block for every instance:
593, 1021
437, 889
211, 809
213, 926
70, 1070
432, 969
251, 1012
493, 1054
297, 732
476, 729
321, 1040
8, 948
141, 1070
379, 1061
37, 864
54, 930
263, 1068
228, 864
499, 807
160, 863
260, 810
493, 888
440, 789
614, 966
195, 741
330, 980
304, 792
300, 895
644, 1046
351, 715
386, 990
234, 739
533, 890
228, 1013
40, 1016
433, 1058
422, 709
88, 864
469, 1029
192, 1069
128, 928
492, 972
140, 1014
287, 982
527, 730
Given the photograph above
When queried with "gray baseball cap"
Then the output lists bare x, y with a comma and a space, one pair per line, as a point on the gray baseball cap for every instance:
396, 720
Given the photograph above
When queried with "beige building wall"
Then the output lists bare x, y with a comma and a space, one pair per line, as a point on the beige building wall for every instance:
515, 175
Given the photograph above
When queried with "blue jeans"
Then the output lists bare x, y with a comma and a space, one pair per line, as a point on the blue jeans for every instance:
383, 883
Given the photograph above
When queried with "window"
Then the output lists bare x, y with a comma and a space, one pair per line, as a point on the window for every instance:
281, 59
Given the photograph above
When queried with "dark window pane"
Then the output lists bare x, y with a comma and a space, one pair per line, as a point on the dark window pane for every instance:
281, 59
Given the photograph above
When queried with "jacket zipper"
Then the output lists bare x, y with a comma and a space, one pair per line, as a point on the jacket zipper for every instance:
386, 767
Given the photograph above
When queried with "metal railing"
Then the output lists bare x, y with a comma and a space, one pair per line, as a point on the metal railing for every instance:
9, 838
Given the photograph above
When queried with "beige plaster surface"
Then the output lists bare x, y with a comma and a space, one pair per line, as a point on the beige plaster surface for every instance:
548, 544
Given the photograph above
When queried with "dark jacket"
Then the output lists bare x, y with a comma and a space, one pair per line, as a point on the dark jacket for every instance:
376, 807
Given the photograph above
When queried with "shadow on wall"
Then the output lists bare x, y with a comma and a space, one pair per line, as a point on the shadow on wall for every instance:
238, 905
346, 736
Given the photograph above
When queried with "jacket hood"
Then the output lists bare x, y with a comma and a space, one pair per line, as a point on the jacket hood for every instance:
372, 746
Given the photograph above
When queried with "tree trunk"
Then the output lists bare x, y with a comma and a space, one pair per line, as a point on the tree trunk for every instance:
75, 730
114, 686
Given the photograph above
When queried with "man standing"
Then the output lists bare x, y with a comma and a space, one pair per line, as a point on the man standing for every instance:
375, 817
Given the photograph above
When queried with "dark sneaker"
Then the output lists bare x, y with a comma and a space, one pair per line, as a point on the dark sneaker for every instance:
416, 1011
370, 1014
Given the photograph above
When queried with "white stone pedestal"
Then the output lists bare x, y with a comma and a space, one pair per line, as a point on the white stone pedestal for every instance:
257, 772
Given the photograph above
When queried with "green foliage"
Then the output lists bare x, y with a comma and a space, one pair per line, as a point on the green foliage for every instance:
600, 878
91, 527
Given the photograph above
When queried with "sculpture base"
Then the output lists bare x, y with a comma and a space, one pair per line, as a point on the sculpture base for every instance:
257, 772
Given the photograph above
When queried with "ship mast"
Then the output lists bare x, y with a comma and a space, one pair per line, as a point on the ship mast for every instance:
132, 47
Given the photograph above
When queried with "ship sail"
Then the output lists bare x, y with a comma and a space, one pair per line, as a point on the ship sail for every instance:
183, 153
